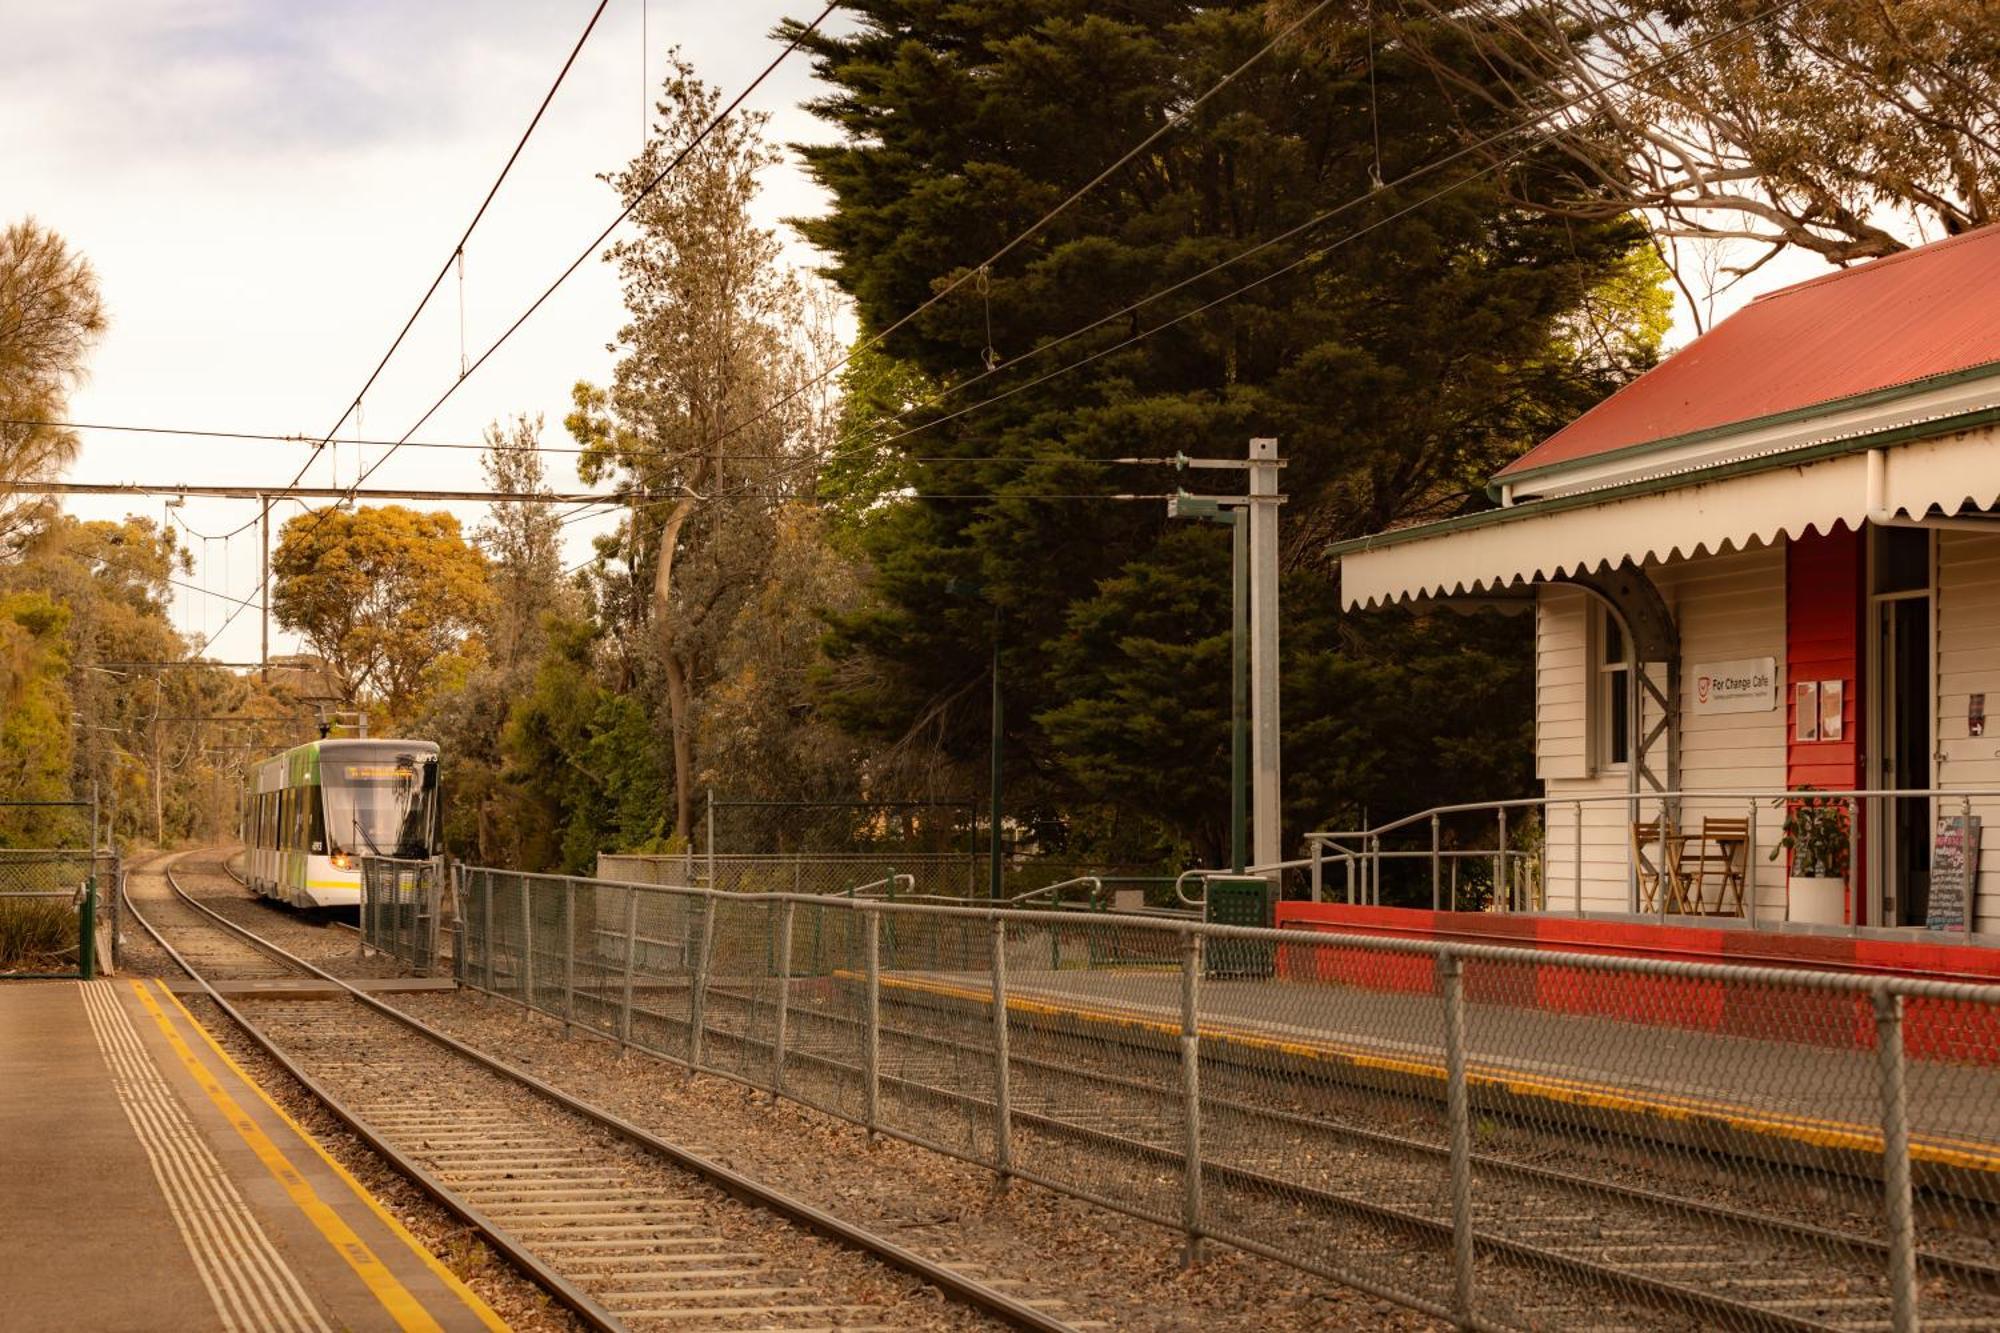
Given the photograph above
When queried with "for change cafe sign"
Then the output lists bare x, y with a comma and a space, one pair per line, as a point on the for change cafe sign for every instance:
1746, 685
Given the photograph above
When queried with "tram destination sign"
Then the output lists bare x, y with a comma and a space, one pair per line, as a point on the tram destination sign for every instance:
1745, 685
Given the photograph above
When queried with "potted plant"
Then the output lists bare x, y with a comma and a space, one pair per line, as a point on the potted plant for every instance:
1816, 837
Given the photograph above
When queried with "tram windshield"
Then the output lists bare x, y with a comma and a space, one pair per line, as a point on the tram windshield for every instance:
381, 806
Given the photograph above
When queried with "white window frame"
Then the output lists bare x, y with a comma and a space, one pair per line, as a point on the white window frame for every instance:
1606, 681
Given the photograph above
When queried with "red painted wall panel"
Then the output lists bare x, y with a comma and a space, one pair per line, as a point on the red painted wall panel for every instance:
1823, 601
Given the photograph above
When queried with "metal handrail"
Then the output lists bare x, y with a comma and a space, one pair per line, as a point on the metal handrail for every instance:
1054, 891
1360, 851
890, 882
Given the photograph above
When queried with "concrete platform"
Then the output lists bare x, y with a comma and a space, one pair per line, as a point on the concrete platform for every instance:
1793, 1101
149, 1184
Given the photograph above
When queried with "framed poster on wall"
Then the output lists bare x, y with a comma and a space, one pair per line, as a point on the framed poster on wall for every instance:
1831, 695
1805, 711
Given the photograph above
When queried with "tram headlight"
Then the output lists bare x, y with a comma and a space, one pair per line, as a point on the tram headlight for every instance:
342, 861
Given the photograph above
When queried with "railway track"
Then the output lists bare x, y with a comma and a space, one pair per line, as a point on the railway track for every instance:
622, 1227
1546, 1235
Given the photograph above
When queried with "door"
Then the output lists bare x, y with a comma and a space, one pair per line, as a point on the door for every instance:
1901, 748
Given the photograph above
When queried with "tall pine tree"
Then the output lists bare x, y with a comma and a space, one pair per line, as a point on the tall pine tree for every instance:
1398, 365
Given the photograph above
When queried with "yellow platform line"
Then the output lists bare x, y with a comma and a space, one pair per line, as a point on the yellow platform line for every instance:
472, 1299
1939, 1150
404, 1308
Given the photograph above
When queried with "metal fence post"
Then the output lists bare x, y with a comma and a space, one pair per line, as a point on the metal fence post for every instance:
631, 961
1191, 1215
1318, 868
486, 909
1003, 1109
1973, 859
871, 1040
1750, 866
698, 982
1458, 1111
786, 910
1500, 884
86, 923
569, 954
527, 946
1576, 851
1437, 869
1858, 905
1897, 1211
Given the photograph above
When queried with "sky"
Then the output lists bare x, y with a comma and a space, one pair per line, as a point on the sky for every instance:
266, 189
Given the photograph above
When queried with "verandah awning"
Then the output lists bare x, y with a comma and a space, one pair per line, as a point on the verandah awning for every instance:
1716, 509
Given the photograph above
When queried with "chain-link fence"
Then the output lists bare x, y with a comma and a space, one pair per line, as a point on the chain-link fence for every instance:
1498, 1137
58, 911
402, 909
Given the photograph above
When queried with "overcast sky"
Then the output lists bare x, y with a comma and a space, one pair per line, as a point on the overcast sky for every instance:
266, 189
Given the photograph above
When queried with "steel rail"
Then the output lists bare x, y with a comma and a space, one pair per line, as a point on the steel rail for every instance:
738, 1186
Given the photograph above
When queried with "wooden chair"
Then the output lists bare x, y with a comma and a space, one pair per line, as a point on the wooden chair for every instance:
1654, 879
1721, 856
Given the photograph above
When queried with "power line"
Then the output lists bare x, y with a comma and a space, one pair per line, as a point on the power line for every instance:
342, 493
467, 372
1172, 122
1418, 173
443, 271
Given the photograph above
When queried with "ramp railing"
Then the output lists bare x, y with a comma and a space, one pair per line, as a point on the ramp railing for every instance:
1496, 1137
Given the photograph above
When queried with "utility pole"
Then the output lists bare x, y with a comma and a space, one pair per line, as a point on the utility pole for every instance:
264, 585
1267, 814
995, 862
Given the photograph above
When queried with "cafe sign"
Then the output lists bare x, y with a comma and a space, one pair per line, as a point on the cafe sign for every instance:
1746, 685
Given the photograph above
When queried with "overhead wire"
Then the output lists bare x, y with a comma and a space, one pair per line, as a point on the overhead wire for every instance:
1317, 220
1596, 92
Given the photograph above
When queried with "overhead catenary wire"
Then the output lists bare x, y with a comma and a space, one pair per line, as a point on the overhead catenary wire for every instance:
1309, 224
1373, 192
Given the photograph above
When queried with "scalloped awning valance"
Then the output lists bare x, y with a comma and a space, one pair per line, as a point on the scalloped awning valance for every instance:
1669, 518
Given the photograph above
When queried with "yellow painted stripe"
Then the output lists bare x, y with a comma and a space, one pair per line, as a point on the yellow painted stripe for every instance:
404, 1308
471, 1298
1967, 1154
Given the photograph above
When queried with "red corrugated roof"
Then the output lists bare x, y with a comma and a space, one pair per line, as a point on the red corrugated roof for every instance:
1923, 312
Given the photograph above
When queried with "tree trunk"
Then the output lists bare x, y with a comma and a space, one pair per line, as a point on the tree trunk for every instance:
677, 676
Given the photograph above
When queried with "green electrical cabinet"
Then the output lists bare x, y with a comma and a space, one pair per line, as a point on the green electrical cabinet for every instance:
1241, 901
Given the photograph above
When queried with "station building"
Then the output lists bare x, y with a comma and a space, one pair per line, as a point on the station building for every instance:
1771, 562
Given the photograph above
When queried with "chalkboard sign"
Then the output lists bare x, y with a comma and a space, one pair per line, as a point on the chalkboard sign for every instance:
1954, 872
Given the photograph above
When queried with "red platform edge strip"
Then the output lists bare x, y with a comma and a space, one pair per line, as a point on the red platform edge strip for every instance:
1941, 1030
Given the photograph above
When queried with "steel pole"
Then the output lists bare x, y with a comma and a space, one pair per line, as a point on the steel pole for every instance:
871, 1040
1268, 837
698, 982
995, 869
631, 962
1897, 1208
1239, 692
264, 595
1003, 1110
1191, 1208
785, 914
1458, 1111
569, 954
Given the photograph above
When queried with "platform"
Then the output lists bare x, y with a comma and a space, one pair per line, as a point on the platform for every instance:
1771, 1097
149, 1184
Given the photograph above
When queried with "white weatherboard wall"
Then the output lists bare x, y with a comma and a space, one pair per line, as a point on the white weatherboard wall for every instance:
1968, 629
1727, 606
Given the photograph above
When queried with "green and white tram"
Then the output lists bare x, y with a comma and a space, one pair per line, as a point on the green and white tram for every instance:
311, 813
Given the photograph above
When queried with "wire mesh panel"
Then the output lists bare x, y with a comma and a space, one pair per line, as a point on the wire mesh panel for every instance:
1500, 1137
402, 905
42, 896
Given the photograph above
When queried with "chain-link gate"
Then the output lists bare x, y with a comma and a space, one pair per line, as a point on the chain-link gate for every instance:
403, 905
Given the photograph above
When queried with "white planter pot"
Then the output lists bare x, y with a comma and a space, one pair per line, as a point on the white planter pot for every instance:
1820, 899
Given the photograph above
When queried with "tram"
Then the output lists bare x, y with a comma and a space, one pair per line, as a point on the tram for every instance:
311, 813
